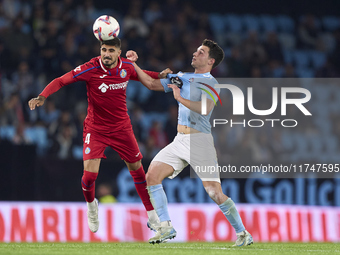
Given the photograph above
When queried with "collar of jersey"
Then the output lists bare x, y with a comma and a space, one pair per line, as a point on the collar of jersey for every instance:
119, 65
208, 73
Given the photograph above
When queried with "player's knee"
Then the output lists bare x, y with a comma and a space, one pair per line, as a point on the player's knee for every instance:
212, 192
134, 166
88, 179
151, 178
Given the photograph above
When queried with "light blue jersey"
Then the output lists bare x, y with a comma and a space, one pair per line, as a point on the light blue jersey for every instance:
192, 90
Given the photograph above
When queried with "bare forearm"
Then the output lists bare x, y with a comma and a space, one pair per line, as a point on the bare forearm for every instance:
192, 105
147, 81
144, 78
196, 106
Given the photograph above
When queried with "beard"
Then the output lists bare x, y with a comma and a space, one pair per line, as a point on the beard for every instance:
108, 62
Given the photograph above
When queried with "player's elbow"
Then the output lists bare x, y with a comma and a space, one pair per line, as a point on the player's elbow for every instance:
156, 85
148, 86
146, 83
153, 85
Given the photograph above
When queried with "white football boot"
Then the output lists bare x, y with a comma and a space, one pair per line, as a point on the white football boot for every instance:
92, 216
164, 232
243, 239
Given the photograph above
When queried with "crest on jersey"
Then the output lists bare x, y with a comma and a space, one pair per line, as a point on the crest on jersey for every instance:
87, 150
123, 73
191, 79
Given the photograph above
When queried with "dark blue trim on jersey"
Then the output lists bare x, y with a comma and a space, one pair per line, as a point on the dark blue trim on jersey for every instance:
86, 185
117, 71
130, 64
83, 72
109, 72
127, 62
140, 182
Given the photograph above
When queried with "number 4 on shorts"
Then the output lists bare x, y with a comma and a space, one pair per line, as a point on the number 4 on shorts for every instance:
87, 138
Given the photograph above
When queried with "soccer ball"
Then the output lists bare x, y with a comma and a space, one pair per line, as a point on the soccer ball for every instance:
106, 28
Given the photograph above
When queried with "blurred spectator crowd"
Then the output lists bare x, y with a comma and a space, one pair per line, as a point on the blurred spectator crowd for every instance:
41, 40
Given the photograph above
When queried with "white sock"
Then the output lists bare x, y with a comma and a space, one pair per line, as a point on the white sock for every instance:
92, 206
153, 218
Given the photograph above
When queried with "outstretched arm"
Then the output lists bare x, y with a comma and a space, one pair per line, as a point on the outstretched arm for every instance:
51, 88
192, 105
132, 56
148, 81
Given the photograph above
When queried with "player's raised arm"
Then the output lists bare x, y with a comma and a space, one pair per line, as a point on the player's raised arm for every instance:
51, 88
148, 81
80, 73
192, 105
133, 56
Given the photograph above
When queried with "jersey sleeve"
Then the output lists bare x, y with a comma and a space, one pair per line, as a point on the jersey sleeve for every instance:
57, 84
167, 81
81, 73
134, 75
153, 75
208, 87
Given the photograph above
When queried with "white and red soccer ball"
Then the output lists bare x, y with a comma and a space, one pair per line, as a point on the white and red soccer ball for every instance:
106, 28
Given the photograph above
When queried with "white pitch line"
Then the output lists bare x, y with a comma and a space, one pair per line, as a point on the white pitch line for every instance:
239, 248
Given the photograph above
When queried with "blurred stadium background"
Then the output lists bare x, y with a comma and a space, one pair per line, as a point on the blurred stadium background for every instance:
41, 151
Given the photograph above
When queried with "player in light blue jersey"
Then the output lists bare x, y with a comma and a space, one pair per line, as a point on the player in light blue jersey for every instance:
192, 82
194, 131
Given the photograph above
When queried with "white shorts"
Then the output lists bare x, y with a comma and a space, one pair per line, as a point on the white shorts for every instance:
202, 156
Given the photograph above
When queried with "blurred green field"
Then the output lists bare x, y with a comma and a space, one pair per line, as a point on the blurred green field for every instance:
169, 248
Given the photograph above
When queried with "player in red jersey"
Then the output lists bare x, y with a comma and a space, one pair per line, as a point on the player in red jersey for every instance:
107, 122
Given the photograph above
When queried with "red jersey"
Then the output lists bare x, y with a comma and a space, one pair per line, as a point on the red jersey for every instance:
106, 92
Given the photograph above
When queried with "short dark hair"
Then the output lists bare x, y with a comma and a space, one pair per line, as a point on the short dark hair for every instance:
113, 42
215, 51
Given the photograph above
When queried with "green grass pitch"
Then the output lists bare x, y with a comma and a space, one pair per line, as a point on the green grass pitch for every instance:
169, 248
